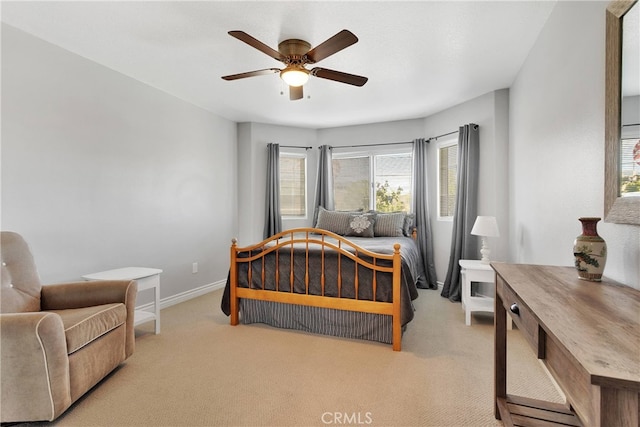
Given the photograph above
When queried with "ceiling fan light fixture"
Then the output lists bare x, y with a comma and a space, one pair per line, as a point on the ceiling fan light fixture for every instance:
295, 54
294, 76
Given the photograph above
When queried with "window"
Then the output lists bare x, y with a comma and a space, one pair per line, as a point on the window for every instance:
630, 167
447, 175
393, 182
373, 181
293, 185
351, 189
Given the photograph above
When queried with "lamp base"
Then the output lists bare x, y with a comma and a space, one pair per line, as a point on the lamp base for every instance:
485, 251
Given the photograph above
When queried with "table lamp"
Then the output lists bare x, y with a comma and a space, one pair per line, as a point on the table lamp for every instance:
485, 226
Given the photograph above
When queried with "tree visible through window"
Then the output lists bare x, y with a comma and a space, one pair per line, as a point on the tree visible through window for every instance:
393, 182
373, 181
293, 185
630, 167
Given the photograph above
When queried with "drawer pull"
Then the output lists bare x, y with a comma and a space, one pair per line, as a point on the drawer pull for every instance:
515, 309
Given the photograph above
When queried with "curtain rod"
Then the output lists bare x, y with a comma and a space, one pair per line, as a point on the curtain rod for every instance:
440, 136
475, 126
395, 143
295, 146
631, 124
371, 145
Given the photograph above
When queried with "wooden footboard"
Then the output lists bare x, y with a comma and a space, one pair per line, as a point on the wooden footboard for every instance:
297, 245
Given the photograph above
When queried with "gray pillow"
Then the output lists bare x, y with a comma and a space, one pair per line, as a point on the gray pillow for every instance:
409, 222
361, 225
389, 224
334, 221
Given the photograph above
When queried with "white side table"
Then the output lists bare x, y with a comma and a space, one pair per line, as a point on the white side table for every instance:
475, 271
147, 278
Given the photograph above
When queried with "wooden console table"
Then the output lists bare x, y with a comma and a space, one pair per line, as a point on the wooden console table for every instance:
586, 333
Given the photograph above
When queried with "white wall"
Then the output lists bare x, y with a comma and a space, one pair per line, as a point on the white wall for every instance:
100, 171
374, 133
252, 171
631, 114
490, 112
557, 145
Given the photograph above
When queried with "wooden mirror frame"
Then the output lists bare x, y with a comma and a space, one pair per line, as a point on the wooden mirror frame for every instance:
621, 210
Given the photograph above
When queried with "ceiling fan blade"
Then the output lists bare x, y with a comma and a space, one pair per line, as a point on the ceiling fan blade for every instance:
338, 76
251, 74
343, 39
295, 92
255, 43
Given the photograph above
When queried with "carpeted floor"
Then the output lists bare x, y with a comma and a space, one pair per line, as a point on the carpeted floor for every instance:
202, 372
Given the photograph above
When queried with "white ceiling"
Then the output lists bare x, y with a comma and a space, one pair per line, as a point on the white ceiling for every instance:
420, 57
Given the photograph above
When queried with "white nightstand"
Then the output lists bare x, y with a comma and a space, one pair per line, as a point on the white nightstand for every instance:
475, 271
147, 278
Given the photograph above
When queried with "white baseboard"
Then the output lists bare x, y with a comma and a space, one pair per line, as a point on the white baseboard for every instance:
185, 296
194, 293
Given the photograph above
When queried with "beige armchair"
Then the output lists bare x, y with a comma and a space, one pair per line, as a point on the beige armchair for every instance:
56, 341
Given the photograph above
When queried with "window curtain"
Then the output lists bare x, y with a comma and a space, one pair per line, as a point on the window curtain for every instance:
421, 210
324, 183
463, 244
273, 220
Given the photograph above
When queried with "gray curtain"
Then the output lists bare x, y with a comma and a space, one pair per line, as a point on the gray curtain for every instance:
421, 210
324, 183
273, 220
463, 244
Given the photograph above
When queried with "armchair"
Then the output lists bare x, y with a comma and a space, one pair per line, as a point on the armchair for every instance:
56, 341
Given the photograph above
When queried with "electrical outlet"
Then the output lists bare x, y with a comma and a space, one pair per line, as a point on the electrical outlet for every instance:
194, 267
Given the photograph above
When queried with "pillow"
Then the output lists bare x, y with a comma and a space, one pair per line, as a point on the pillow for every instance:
361, 225
389, 224
409, 221
334, 221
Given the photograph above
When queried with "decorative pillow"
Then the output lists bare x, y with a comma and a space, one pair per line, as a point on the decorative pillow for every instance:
361, 225
409, 222
334, 221
389, 224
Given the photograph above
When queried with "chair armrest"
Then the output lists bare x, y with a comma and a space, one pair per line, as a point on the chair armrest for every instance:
34, 366
62, 296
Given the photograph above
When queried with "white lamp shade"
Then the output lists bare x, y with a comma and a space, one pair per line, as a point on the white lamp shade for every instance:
294, 76
485, 226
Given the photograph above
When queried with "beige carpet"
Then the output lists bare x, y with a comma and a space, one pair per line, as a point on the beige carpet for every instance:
202, 372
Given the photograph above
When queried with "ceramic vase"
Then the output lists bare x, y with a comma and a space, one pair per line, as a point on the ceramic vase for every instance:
590, 251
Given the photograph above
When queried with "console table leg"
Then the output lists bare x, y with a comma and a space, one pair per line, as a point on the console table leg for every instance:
619, 407
500, 354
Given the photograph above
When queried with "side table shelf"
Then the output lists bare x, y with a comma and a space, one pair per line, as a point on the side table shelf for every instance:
475, 271
147, 278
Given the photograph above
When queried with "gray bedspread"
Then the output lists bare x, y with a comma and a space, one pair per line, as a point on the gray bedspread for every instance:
412, 273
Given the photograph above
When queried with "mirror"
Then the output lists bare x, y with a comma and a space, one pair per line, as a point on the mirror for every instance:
622, 113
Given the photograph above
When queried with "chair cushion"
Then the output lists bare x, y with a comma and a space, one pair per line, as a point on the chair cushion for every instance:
83, 325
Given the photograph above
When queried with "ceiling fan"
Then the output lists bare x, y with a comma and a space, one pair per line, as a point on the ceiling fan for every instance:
295, 54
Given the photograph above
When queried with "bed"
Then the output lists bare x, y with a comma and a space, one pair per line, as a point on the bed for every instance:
319, 281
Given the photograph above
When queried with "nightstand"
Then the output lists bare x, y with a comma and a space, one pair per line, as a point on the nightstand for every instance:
147, 278
475, 271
